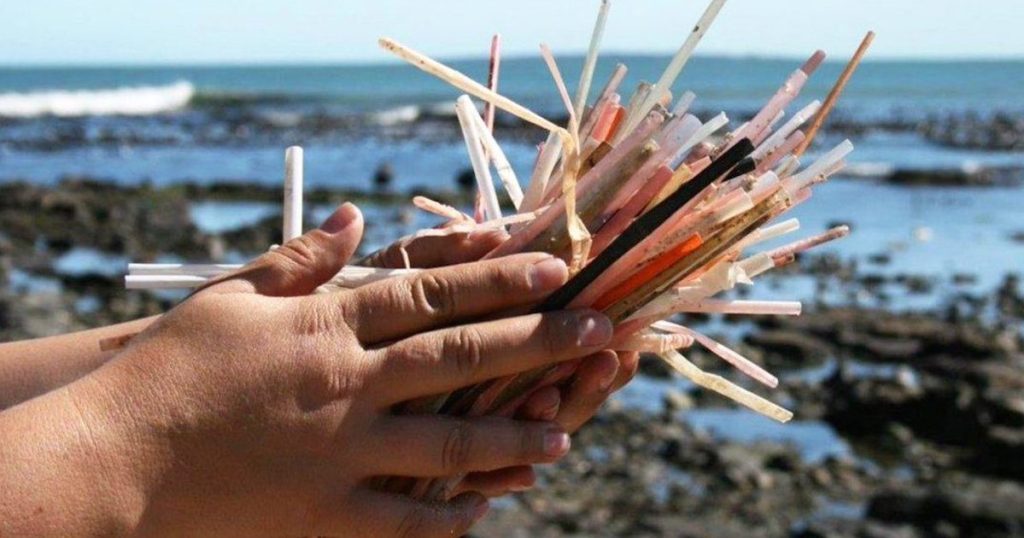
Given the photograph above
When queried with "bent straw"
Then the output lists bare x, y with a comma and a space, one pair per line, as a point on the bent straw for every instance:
438, 208
675, 67
465, 111
730, 356
549, 59
466, 84
833, 95
543, 223
583, 90
292, 211
725, 388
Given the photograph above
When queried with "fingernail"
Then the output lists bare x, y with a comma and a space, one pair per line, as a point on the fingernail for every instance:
595, 329
481, 510
548, 274
342, 217
556, 443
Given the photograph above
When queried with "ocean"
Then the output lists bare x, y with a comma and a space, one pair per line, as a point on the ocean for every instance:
203, 124
932, 193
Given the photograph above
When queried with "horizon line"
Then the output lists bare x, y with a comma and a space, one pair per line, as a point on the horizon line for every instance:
515, 56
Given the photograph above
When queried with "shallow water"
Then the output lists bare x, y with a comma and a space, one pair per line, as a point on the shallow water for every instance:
935, 232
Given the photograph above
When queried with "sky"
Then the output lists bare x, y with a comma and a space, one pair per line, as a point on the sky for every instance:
299, 31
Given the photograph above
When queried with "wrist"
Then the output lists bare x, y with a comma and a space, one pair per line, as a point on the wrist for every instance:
118, 448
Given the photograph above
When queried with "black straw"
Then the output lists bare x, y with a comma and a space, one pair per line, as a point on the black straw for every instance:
733, 162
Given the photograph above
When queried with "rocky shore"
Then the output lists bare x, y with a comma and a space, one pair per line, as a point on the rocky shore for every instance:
909, 423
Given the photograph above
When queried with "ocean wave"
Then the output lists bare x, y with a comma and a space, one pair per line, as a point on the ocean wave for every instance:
127, 101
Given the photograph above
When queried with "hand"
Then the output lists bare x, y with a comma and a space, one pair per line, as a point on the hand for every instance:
571, 403
239, 413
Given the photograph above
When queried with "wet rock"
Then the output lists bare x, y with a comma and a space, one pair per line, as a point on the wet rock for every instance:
383, 177
973, 507
957, 177
789, 347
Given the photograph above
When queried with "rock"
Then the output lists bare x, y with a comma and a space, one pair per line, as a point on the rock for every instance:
972, 507
789, 347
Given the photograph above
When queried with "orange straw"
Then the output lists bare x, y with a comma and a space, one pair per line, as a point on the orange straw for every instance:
661, 263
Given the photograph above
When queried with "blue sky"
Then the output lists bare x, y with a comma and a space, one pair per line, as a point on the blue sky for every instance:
253, 31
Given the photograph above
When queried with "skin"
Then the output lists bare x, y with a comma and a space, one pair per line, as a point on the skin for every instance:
284, 432
244, 412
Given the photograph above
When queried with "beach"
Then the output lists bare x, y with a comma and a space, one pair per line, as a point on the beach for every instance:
905, 371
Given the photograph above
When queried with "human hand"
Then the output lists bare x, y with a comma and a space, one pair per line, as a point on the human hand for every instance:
570, 402
254, 414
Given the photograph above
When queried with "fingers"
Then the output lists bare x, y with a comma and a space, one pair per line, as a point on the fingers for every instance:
373, 513
500, 482
399, 307
447, 359
300, 265
435, 446
438, 251
543, 404
629, 363
594, 382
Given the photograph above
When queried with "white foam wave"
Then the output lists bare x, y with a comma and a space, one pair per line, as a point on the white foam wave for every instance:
129, 101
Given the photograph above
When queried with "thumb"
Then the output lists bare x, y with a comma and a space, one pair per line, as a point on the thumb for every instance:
302, 264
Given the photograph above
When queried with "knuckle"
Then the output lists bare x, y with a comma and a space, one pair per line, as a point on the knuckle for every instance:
301, 251
457, 448
316, 317
434, 296
463, 348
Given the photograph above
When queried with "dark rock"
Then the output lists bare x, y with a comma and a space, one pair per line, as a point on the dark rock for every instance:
790, 347
974, 507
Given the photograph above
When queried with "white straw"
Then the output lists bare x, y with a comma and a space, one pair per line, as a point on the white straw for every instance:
163, 282
683, 103
736, 306
465, 83
184, 269
465, 110
725, 388
292, 225
505, 173
181, 276
583, 90
675, 67
776, 139
546, 163
702, 134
